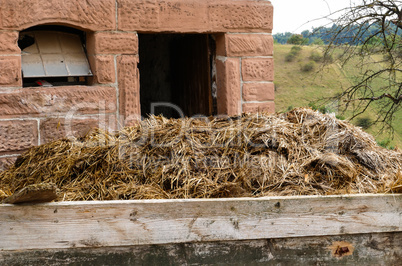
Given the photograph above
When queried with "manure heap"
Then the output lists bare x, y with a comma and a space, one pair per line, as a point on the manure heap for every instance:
301, 152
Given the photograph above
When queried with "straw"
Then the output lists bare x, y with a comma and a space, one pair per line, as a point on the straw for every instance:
301, 152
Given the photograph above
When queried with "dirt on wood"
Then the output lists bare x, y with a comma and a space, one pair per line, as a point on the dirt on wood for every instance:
35, 193
301, 152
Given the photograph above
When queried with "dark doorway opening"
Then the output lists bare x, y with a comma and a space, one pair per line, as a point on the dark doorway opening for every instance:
175, 74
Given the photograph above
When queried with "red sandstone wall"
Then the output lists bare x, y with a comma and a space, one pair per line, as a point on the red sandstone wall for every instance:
33, 116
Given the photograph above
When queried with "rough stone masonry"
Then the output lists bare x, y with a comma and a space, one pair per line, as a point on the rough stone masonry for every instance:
32, 116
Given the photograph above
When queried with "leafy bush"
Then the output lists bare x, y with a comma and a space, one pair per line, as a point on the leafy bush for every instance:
294, 52
325, 110
340, 117
385, 144
318, 41
313, 106
290, 57
316, 56
297, 39
364, 122
290, 107
310, 66
321, 109
328, 58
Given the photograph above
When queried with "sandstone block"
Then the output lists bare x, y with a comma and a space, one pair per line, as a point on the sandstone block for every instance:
175, 15
268, 107
112, 43
68, 100
245, 45
221, 45
57, 128
8, 42
254, 16
10, 71
129, 89
183, 15
92, 15
104, 69
258, 92
16, 136
229, 87
258, 69
137, 15
195, 16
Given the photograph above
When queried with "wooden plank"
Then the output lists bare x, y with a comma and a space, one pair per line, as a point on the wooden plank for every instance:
127, 223
368, 249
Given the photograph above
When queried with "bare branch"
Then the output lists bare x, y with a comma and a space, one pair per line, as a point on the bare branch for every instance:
396, 100
370, 33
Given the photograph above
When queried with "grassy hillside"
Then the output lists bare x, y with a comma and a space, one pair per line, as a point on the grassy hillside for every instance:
297, 88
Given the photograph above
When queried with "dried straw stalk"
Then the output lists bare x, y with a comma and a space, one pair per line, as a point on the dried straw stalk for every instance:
301, 152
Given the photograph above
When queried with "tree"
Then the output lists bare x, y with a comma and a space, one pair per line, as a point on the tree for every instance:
317, 41
305, 34
282, 38
297, 39
372, 32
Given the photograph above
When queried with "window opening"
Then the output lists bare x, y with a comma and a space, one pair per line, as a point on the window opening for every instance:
53, 56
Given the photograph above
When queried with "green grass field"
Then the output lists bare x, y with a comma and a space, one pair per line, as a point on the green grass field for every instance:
296, 88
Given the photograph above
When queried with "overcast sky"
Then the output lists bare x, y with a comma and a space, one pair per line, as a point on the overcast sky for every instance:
290, 15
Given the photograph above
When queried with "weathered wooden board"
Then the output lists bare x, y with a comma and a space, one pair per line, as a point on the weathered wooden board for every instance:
369, 249
127, 223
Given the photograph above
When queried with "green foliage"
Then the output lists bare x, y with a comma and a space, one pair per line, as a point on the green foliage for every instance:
340, 117
297, 39
368, 37
386, 143
294, 52
317, 41
290, 57
290, 107
316, 56
391, 41
324, 35
276, 85
320, 108
328, 58
305, 34
375, 40
298, 88
310, 66
313, 106
325, 110
364, 122
282, 38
